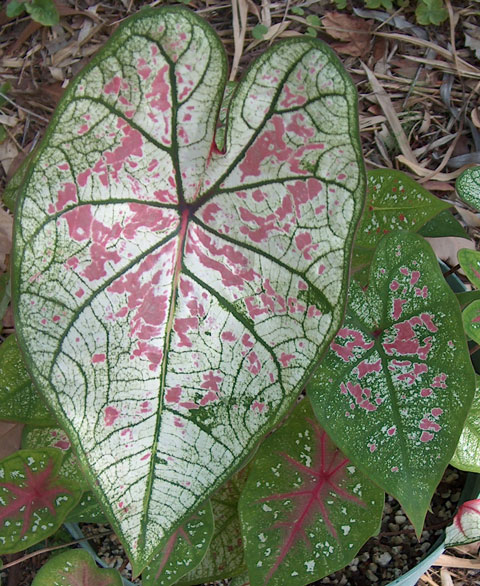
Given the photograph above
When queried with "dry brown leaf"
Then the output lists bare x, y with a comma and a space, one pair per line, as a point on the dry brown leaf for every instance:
10, 438
8, 152
355, 33
450, 561
6, 225
446, 248
470, 218
446, 577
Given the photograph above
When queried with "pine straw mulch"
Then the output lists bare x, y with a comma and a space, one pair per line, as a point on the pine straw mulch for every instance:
418, 91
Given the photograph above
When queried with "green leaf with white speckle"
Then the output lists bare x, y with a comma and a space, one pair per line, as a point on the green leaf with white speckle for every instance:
34, 437
305, 510
394, 202
19, 400
469, 260
396, 385
34, 498
88, 510
75, 567
468, 187
225, 556
471, 320
184, 550
172, 300
467, 453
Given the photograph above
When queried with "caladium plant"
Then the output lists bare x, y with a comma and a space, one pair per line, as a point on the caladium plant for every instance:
175, 288
171, 299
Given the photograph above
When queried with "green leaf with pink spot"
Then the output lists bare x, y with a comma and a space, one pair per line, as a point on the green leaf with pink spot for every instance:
184, 550
305, 510
469, 260
34, 498
75, 567
396, 385
468, 187
394, 202
171, 299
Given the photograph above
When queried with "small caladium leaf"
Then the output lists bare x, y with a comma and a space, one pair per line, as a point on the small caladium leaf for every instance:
88, 510
468, 187
34, 498
305, 511
19, 401
394, 202
467, 453
172, 300
466, 525
471, 321
443, 225
396, 385
184, 550
54, 437
225, 556
75, 567
469, 260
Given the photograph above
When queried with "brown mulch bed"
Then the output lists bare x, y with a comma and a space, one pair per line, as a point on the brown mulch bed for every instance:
418, 93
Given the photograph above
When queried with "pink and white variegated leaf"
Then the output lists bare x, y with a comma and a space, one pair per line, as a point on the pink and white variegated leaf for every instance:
396, 385
171, 299
466, 525
305, 510
75, 567
471, 320
184, 550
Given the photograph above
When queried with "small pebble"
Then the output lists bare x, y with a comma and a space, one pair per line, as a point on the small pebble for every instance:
400, 519
383, 559
371, 576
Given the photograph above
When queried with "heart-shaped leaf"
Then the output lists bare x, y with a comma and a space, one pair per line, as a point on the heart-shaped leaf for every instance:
469, 260
471, 321
225, 556
466, 525
396, 385
172, 300
468, 187
467, 454
19, 401
34, 498
184, 550
305, 511
75, 567
394, 202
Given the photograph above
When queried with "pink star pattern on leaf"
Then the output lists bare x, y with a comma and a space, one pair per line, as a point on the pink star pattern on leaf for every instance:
37, 492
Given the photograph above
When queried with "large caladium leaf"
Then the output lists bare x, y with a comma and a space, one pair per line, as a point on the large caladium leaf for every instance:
468, 187
305, 510
171, 299
75, 567
396, 385
34, 498
394, 202
183, 551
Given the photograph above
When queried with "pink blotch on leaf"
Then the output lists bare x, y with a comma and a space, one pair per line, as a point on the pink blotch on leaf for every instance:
96, 358
398, 308
426, 436
365, 368
228, 337
285, 359
362, 396
256, 406
173, 394
426, 392
110, 416
357, 341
